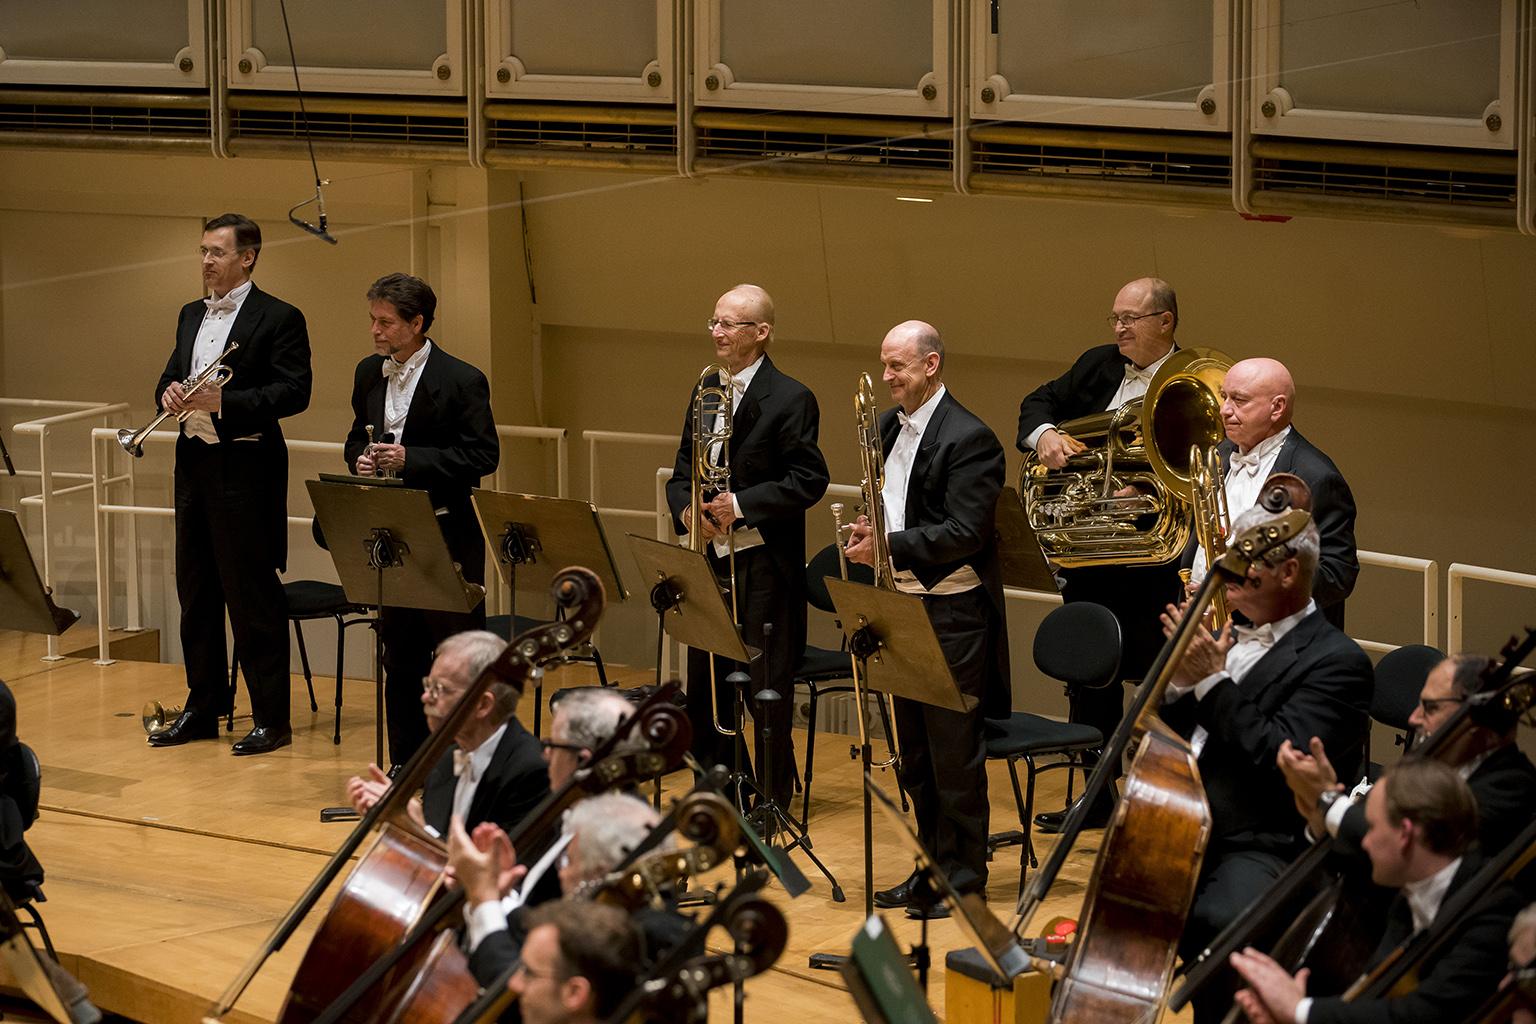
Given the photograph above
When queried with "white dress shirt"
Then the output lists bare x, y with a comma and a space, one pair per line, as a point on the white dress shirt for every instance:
1246, 474
482, 919
400, 388
1132, 387
898, 475
212, 336
469, 767
1252, 644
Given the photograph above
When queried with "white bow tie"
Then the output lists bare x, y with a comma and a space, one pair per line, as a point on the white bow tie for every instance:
1248, 464
223, 305
390, 368
908, 423
1134, 372
461, 763
1263, 635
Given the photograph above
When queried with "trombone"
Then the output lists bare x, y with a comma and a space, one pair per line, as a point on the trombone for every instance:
216, 373
872, 464
1212, 519
712, 423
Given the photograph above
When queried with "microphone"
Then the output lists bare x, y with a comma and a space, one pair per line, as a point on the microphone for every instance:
303, 225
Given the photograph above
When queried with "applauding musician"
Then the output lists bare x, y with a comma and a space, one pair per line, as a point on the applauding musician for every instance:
777, 472
232, 487
943, 472
431, 419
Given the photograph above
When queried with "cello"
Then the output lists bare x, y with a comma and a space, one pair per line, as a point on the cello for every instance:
401, 870
1144, 876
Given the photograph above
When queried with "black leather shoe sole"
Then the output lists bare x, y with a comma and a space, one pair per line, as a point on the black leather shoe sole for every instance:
895, 896
1050, 823
262, 741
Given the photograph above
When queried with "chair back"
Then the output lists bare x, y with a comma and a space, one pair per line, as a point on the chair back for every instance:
24, 782
1400, 676
1079, 644
824, 564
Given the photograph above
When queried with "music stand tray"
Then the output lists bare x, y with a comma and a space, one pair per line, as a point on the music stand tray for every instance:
25, 603
532, 529
1019, 556
698, 616
908, 661
879, 981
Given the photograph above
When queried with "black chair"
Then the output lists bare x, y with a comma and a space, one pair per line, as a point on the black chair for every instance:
23, 787
1400, 676
503, 626
1079, 645
821, 670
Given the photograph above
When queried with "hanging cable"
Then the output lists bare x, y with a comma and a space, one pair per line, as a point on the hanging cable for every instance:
318, 230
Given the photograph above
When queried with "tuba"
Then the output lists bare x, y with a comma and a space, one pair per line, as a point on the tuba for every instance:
1153, 444
712, 424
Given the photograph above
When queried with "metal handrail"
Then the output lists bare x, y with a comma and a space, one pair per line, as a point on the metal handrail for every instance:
1427, 568
622, 437
1456, 574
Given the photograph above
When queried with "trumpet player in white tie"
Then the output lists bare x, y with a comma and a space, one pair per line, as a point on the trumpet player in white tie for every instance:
232, 486
1258, 401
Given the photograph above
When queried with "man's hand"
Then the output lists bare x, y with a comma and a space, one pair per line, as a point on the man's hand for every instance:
1054, 448
174, 398
387, 457
1272, 995
722, 511
364, 793
861, 544
208, 398
1206, 654
364, 464
480, 863
1309, 776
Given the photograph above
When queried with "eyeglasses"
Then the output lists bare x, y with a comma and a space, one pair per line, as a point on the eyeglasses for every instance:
1127, 319
1433, 704
436, 688
216, 253
729, 325
556, 745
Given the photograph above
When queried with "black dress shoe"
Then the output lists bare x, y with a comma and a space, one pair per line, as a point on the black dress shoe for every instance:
189, 725
934, 912
896, 895
262, 740
1050, 822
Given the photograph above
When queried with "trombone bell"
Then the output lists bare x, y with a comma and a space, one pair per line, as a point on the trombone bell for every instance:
157, 717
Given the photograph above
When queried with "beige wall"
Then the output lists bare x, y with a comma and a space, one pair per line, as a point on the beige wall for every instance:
1412, 346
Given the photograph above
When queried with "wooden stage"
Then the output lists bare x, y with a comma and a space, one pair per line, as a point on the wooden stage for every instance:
167, 868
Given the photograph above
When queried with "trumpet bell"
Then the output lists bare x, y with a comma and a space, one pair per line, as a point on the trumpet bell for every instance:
157, 717
132, 442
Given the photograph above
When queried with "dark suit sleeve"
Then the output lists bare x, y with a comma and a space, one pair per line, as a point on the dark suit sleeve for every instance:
972, 479
357, 435
1330, 702
173, 369
472, 452
680, 487
286, 392
1059, 399
495, 955
805, 475
522, 791
1337, 564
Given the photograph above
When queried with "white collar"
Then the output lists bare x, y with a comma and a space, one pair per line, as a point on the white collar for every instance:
480, 757
743, 380
1426, 895
1151, 368
919, 420
1261, 451
412, 364
236, 294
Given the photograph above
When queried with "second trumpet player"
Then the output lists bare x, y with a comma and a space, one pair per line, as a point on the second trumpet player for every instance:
776, 473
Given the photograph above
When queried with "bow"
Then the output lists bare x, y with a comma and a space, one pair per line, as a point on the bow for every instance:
1263, 635
224, 304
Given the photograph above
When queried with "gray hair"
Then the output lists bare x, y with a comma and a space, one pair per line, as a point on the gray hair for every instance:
607, 829
1467, 673
479, 649
1163, 297
1525, 921
592, 714
1303, 547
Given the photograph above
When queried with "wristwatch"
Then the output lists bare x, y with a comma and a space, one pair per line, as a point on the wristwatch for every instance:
1327, 799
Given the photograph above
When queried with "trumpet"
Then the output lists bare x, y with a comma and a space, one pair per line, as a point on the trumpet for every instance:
216, 374
712, 423
388, 474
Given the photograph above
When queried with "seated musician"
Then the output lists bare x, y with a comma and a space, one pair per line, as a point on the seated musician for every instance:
578, 964
1522, 958
1501, 777
495, 771
1237, 696
599, 834
581, 721
1422, 823
21, 875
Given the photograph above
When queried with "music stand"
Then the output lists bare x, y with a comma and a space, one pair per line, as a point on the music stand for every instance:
1023, 564
53, 989
532, 529
878, 979
25, 603
388, 550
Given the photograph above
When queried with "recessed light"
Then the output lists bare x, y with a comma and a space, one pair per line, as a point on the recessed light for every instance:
912, 199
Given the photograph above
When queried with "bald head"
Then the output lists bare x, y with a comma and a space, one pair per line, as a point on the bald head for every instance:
742, 326
1146, 313
1258, 399
753, 301
912, 355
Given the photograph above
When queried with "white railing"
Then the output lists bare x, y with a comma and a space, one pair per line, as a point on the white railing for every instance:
1456, 576
1429, 572
42, 429
595, 438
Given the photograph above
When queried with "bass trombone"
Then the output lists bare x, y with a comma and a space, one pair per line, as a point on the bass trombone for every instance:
712, 424
216, 374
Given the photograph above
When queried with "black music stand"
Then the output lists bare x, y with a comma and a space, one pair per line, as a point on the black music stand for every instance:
532, 529
55, 991
898, 653
25, 603
1019, 556
388, 550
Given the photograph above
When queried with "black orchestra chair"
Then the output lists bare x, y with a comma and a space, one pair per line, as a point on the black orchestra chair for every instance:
503, 626
20, 873
1077, 644
1400, 676
824, 671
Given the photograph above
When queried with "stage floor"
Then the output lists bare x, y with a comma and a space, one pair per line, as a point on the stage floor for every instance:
167, 868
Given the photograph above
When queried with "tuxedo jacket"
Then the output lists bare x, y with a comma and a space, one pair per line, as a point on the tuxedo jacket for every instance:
1504, 786
1333, 509
515, 782
1315, 681
449, 437
777, 471
1084, 389
957, 473
1451, 984
271, 380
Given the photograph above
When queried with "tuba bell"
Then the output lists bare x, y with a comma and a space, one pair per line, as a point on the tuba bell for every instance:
1157, 445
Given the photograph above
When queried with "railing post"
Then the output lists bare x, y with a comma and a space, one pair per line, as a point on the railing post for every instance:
103, 576
135, 621
1432, 604
562, 466
1453, 598
45, 473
